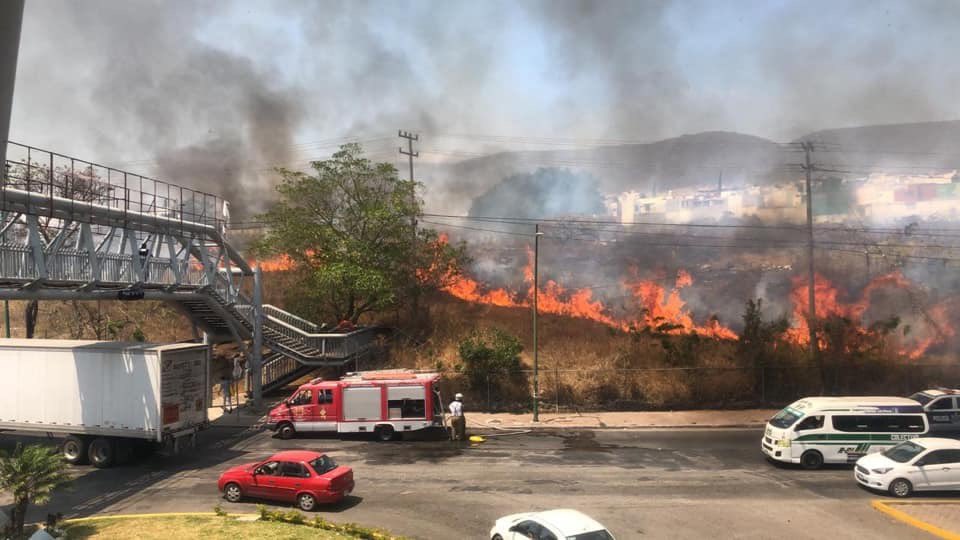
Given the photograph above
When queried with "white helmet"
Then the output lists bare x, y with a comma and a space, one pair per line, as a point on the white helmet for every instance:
458, 397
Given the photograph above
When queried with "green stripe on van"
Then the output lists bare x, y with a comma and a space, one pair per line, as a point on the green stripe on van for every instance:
870, 437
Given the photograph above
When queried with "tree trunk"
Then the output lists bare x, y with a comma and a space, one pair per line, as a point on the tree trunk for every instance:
19, 516
30, 317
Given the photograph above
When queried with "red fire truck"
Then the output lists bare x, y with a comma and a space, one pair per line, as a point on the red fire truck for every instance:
386, 403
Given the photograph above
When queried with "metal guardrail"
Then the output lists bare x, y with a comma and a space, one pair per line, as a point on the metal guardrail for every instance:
289, 318
58, 175
277, 368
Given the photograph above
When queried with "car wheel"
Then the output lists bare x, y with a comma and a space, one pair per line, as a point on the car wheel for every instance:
497, 537
74, 450
102, 453
232, 492
811, 459
306, 502
901, 488
287, 431
385, 433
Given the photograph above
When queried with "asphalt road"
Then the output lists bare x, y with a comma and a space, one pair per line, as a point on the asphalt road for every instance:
641, 484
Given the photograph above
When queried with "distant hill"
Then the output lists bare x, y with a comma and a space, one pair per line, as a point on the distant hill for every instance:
905, 148
698, 159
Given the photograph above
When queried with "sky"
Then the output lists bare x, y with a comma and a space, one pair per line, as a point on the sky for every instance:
217, 92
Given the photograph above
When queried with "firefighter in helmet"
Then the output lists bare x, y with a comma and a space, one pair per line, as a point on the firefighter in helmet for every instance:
458, 424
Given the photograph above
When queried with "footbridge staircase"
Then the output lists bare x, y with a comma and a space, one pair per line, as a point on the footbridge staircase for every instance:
76, 230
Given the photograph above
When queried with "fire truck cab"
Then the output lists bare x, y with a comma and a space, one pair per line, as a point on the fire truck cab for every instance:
387, 403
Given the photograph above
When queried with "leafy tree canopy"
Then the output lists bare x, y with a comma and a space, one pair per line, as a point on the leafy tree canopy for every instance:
347, 225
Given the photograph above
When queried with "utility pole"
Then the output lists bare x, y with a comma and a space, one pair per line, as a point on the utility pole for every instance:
410, 137
811, 274
536, 292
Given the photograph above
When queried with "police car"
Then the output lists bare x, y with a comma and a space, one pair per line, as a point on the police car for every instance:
942, 406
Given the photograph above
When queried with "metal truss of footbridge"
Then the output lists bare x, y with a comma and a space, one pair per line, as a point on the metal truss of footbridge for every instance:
75, 230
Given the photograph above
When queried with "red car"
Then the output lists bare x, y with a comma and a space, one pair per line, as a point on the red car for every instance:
300, 476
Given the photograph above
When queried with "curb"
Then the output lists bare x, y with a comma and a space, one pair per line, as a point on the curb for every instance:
886, 507
560, 427
149, 516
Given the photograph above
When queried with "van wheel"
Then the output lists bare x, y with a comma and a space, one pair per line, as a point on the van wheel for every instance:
811, 459
286, 431
385, 433
74, 450
901, 488
102, 453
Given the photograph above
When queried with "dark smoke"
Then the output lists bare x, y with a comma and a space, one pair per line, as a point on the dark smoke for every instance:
164, 84
209, 119
544, 193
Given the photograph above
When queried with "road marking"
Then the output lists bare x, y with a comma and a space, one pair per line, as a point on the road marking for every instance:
887, 507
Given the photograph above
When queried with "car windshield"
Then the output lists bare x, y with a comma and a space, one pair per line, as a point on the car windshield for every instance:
323, 464
594, 535
904, 452
923, 399
786, 418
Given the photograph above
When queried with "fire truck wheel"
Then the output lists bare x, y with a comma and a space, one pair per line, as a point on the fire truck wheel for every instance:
74, 450
286, 431
385, 433
102, 453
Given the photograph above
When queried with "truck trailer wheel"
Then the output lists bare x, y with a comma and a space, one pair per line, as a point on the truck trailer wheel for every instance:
102, 453
74, 450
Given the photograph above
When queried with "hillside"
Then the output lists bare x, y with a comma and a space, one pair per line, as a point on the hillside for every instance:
697, 159
898, 147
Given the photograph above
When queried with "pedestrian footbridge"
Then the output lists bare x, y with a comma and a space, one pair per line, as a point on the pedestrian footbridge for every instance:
75, 230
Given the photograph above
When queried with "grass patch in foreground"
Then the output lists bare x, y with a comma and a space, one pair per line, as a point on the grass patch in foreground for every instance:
194, 527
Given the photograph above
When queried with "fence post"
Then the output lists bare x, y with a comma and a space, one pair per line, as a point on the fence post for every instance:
488, 392
763, 383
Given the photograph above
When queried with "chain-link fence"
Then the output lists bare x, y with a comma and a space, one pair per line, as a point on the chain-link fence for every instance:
666, 388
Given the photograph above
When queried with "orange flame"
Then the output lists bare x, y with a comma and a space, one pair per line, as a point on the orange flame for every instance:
827, 304
663, 312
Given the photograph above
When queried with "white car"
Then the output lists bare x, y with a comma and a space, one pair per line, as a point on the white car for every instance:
921, 464
549, 525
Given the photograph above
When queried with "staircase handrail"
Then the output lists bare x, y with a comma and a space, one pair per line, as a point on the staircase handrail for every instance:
329, 345
301, 323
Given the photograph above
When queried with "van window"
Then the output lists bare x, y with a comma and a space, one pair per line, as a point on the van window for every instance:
894, 423
786, 418
811, 422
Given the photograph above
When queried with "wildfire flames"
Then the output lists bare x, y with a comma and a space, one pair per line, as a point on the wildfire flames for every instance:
828, 304
658, 306
658, 309
662, 309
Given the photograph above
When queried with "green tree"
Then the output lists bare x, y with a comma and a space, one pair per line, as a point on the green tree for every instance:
758, 340
348, 227
489, 355
31, 473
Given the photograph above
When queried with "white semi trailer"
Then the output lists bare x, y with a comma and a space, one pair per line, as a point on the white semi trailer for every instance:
107, 398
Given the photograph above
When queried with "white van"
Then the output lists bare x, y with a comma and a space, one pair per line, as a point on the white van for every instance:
818, 430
